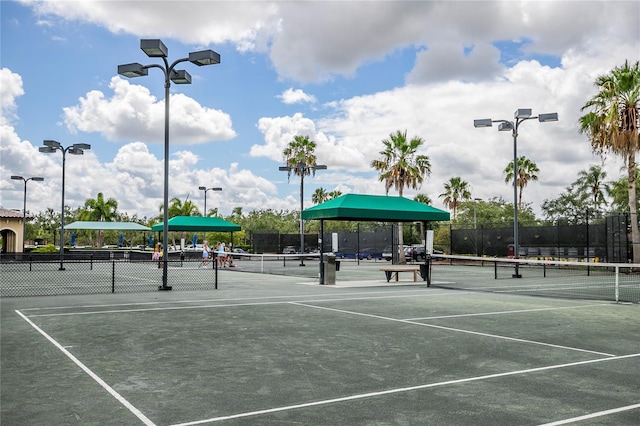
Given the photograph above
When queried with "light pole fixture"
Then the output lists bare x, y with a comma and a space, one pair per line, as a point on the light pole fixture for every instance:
205, 189
24, 205
302, 168
49, 147
155, 48
520, 116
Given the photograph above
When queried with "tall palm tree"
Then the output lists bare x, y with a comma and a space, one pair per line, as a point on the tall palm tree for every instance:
455, 191
300, 157
320, 196
100, 210
178, 208
527, 171
423, 198
400, 165
611, 124
593, 182
334, 194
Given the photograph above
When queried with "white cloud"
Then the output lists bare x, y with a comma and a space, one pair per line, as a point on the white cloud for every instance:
11, 84
297, 96
134, 114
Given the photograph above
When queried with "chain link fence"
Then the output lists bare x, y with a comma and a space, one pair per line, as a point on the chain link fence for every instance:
101, 273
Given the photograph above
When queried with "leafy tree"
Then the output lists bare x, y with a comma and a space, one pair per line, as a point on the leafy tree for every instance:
179, 208
301, 150
423, 198
581, 200
335, 194
527, 171
455, 190
592, 182
320, 196
400, 165
618, 191
100, 210
300, 157
569, 207
611, 125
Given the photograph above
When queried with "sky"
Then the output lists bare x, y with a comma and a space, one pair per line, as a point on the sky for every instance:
347, 74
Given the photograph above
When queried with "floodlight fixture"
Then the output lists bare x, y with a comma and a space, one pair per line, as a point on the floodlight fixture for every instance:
484, 122
133, 70
154, 48
522, 113
47, 149
204, 57
545, 118
82, 146
180, 77
51, 143
505, 126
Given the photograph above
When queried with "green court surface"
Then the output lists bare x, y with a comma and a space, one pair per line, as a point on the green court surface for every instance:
281, 350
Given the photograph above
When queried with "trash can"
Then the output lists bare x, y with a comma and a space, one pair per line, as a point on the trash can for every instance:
330, 268
425, 270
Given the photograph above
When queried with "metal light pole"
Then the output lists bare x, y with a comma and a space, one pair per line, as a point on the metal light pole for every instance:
24, 205
520, 116
155, 48
475, 223
302, 168
205, 189
51, 146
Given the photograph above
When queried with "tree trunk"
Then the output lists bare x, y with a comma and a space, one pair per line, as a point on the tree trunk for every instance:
633, 210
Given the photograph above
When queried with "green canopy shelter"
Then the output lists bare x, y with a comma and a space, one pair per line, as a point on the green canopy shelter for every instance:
197, 224
107, 226
381, 208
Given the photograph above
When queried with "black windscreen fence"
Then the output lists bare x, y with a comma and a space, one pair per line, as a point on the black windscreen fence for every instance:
607, 241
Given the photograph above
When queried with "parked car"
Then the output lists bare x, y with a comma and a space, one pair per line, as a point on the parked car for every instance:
238, 250
387, 254
346, 253
369, 253
290, 250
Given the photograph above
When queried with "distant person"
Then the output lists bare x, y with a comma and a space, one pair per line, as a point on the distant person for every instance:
221, 255
205, 254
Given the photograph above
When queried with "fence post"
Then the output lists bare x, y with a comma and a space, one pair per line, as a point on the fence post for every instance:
215, 267
30, 262
113, 276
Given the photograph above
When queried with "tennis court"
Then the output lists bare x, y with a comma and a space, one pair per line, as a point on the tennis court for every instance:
273, 350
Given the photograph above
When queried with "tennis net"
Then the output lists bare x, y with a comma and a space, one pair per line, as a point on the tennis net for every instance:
303, 265
619, 282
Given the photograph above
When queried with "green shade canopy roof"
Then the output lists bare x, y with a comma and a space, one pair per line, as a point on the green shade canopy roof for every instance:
197, 223
107, 226
381, 208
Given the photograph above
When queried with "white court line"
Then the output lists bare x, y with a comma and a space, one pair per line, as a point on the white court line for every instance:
517, 311
460, 330
408, 293
400, 390
218, 305
91, 374
593, 415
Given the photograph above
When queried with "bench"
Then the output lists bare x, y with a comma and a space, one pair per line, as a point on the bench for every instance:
389, 271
